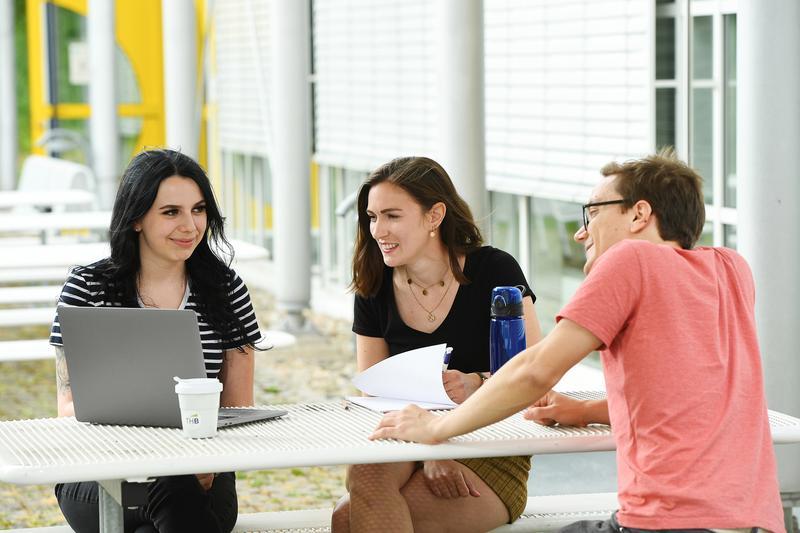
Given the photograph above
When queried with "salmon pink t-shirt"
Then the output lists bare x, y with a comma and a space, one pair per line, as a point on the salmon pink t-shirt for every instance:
685, 387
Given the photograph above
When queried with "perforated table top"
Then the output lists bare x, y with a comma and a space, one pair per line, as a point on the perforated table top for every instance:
63, 449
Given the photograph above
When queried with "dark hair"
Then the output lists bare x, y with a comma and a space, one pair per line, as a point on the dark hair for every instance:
428, 183
672, 188
208, 274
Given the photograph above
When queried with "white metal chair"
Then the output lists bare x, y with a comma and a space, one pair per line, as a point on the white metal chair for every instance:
41, 173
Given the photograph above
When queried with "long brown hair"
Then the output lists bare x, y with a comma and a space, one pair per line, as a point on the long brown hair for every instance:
428, 183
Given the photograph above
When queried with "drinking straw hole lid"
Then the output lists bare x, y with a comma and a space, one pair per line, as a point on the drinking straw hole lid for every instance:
197, 385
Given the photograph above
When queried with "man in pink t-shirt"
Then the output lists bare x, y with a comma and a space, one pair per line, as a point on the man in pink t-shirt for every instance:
676, 328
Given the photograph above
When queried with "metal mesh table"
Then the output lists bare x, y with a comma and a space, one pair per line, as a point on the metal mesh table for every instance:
63, 449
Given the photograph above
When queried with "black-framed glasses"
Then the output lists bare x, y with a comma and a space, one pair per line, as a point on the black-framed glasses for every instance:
587, 219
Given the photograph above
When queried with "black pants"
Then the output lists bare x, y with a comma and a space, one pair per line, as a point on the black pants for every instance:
612, 526
173, 504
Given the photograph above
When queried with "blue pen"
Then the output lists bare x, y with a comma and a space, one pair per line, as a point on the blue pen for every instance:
446, 362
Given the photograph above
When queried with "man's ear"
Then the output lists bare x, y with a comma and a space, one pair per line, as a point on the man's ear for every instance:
436, 214
642, 215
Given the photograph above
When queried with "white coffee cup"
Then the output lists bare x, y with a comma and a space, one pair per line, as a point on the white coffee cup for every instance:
199, 402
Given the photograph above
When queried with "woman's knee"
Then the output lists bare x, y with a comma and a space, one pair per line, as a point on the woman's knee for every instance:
340, 518
78, 503
179, 503
378, 477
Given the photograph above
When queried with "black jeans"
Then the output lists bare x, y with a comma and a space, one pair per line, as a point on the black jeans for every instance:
173, 504
612, 526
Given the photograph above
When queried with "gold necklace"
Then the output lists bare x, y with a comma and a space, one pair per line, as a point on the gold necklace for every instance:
430, 316
424, 289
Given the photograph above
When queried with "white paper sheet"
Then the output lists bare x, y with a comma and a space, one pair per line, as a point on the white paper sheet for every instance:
409, 377
384, 405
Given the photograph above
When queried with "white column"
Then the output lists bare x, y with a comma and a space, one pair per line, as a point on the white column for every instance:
179, 24
768, 194
462, 149
103, 129
8, 98
290, 156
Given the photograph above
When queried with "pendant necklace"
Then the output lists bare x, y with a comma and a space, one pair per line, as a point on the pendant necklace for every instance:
424, 288
430, 316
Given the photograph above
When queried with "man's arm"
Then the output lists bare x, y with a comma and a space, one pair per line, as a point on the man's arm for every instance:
63, 390
523, 380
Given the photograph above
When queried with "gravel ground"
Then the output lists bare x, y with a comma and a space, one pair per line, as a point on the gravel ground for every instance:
318, 367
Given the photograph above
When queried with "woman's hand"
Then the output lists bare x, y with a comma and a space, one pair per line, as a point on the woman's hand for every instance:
446, 480
205, 480
460, 386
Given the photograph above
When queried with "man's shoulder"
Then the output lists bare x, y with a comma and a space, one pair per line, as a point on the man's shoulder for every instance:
626, 251
728, 253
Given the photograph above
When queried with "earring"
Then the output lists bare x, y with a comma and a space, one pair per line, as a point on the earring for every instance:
432, 233
137, 230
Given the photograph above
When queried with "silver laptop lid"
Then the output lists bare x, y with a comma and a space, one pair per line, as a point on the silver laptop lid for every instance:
121, 362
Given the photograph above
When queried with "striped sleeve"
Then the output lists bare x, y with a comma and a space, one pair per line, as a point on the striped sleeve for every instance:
243, 309
75, 293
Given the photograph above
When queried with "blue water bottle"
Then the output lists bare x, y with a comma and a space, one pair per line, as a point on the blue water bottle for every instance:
507, 326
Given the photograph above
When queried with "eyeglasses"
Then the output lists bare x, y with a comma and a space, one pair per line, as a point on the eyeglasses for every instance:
587, 218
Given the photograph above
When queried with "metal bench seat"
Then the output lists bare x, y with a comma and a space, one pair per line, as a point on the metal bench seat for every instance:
542, 513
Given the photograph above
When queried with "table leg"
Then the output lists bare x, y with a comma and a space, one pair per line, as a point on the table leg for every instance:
110, 506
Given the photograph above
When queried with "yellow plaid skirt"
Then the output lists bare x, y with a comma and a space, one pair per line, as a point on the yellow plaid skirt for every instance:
507, 477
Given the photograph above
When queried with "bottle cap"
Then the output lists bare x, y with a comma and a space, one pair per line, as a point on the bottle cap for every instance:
506, 301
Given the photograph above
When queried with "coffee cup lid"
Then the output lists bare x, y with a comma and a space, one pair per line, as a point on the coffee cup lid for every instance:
197, 385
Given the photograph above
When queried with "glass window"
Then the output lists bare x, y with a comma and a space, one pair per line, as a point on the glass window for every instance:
505, 222
129, 130
702, 139
665, 117
75, 148
707, 237
729, 174
66, 29
556, 259
339, 241
729, 236
665, 48
709, 123
702, 48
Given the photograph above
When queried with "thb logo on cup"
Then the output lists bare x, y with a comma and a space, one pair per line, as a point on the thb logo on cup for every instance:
199, 402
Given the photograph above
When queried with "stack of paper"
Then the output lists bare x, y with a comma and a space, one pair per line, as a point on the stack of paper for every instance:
410, 377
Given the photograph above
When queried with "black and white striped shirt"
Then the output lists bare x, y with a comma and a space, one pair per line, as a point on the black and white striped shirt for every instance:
82, 290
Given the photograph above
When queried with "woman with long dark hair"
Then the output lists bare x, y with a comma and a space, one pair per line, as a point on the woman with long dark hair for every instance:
166, 235
422, 276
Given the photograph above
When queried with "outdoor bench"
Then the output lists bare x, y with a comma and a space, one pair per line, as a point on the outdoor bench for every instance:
543, 513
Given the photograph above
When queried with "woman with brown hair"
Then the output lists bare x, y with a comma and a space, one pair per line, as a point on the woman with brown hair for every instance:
421, 277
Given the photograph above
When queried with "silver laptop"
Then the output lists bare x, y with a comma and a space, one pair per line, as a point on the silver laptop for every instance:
121, 363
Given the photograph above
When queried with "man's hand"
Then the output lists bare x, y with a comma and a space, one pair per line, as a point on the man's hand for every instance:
205, 480
460, 386
555, 408
445, 480
412, 424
